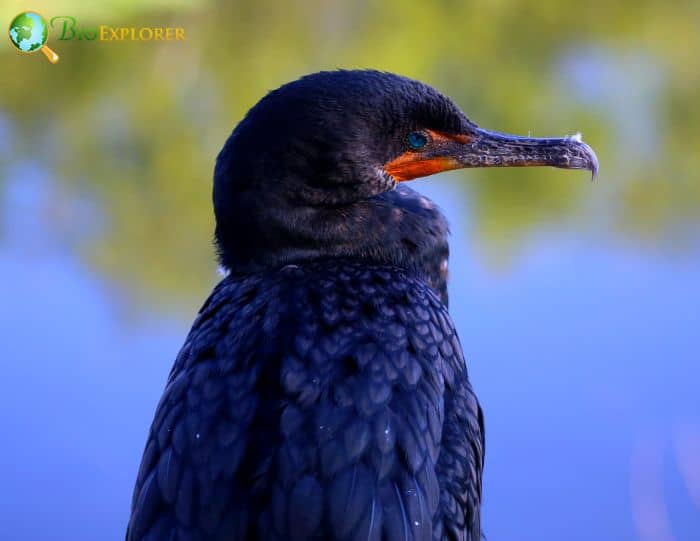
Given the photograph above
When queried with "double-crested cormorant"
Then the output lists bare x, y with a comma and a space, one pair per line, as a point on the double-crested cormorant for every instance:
322, 392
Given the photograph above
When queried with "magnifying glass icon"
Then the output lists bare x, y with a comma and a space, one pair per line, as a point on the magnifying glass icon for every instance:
29, 33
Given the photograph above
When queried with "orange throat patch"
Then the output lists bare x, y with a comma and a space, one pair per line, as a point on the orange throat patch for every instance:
415, 164
411, 165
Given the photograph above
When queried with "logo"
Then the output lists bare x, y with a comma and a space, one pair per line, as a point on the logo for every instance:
29, 33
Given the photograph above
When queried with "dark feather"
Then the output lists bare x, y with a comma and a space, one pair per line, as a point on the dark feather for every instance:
309, 446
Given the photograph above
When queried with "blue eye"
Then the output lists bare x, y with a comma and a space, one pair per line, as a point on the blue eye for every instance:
417, 140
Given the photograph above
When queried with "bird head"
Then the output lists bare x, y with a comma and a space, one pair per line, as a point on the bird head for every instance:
306, 171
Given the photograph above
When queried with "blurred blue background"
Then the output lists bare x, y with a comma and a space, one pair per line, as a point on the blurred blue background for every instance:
578, 303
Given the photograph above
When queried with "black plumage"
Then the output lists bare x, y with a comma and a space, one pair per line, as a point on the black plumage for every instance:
322, 392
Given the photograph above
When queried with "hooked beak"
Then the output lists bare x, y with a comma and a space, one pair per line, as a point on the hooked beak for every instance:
483, 148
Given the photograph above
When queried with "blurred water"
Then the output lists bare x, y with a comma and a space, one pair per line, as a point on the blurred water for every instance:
584, 358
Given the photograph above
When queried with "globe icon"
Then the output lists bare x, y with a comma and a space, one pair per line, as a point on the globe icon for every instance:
29, 33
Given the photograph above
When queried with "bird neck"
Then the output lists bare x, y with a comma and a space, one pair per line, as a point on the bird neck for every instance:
399, 227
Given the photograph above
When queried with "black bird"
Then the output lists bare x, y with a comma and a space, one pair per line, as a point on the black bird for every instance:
322, 392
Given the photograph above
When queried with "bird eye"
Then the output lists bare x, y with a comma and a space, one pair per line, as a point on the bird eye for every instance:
417, 140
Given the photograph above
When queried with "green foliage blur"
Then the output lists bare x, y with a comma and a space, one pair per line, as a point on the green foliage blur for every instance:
135, 126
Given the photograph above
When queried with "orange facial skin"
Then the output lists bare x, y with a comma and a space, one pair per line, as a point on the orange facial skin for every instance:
421, 163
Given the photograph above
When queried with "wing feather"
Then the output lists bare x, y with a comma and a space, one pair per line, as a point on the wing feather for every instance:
326, 401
